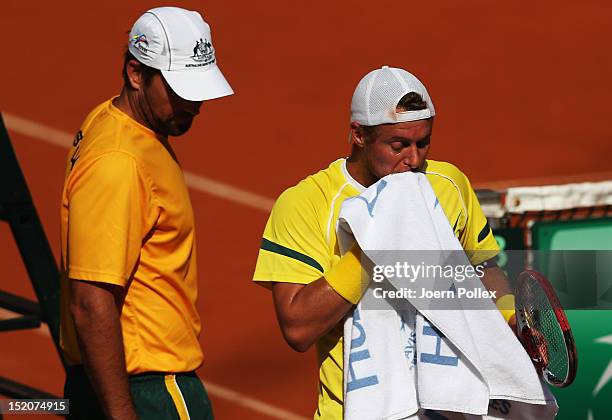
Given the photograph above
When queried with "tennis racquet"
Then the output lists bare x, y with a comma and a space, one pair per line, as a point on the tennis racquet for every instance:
543, 329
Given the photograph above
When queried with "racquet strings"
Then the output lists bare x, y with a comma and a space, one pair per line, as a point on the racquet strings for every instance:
540, 316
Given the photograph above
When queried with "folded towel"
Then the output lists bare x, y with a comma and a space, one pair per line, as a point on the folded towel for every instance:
399, 360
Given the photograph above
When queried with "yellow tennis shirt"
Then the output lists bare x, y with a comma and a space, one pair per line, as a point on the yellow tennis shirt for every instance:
126, 219
299, 245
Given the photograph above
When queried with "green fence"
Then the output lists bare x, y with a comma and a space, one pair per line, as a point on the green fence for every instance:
590, 396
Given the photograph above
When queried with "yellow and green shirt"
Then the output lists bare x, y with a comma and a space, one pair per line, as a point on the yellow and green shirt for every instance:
300, 246
127, 220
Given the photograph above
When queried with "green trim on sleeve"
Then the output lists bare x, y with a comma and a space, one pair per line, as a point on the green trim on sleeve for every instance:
456, 221
287, 252
484, 232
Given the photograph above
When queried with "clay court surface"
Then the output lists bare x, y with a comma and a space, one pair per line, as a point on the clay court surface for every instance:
521, 92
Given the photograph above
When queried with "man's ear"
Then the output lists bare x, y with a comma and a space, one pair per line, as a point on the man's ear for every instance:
134, 74
357, 136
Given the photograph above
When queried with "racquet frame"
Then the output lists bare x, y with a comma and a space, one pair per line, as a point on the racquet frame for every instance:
526, 333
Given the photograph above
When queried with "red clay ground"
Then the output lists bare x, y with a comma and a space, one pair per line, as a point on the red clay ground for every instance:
520, 92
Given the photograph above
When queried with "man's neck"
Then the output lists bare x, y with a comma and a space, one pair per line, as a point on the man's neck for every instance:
357, 169
128, 103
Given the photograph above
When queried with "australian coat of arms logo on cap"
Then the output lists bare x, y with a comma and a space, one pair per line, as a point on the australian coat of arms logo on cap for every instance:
178, 42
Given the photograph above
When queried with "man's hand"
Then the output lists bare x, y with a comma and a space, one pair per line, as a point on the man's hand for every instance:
534, 343
95, 309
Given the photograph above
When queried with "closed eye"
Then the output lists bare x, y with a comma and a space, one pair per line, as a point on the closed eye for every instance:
397, 146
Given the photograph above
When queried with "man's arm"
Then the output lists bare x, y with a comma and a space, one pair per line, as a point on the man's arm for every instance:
95, 310
478, 237
307, 312
494, 279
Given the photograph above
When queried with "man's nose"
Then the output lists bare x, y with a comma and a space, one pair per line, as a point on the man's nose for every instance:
192, 107
183, 106
411, 156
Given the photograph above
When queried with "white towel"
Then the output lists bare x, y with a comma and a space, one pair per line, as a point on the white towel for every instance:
463, 358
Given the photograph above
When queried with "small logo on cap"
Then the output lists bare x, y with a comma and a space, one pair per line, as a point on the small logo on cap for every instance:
203, 53
140, 42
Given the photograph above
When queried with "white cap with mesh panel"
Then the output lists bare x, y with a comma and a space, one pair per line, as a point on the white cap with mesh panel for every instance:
378, 93
178, 43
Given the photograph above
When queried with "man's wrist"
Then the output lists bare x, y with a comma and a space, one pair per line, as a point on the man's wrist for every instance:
346, 276
506, 306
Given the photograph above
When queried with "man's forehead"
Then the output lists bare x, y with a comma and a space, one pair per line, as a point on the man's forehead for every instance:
412, 130
407, 139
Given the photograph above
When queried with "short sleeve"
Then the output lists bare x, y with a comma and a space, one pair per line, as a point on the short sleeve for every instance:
293, 248
477, 236
108, 202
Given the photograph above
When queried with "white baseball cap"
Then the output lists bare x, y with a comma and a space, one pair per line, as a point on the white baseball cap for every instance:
178, 43
376, 97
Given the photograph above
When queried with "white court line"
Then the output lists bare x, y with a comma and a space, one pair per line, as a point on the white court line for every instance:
214, 389
206, 185
197, 182
251, 403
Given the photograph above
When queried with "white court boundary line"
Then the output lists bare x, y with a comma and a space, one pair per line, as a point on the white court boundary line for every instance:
206, 185
200, 183
251, 403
